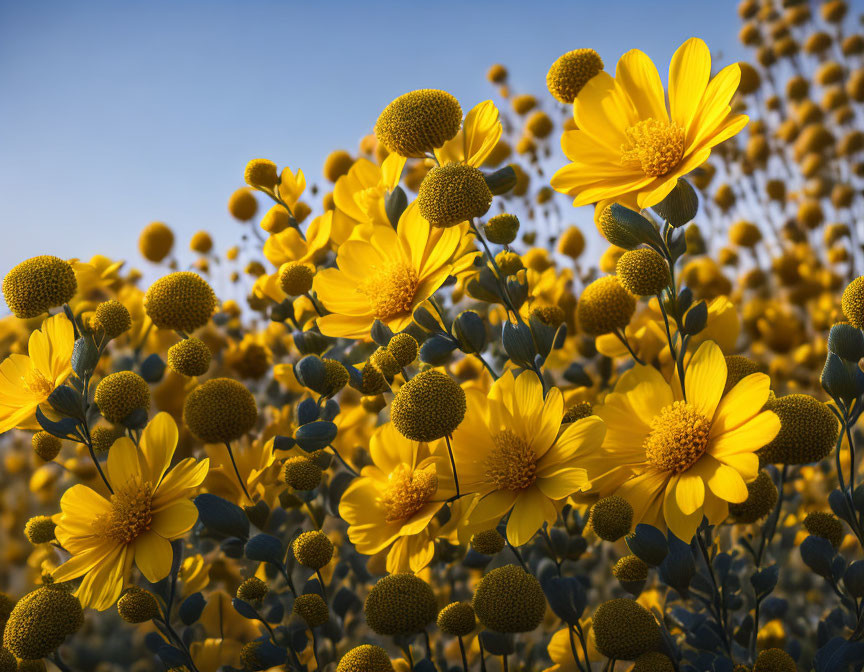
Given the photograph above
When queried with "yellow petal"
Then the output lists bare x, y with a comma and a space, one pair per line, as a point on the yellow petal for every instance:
175, 520
689, 72
689, 493
153, 555
741, 403
158, 442
639, 78
680, 524
562, 483
746, 438
705, 378
531, 510
123, 464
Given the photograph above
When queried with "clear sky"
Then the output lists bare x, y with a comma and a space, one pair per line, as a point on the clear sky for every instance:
117, 113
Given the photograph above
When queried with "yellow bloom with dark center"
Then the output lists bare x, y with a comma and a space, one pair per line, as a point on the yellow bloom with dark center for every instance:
389, 275
26, 381
150, 507
392, 506
677, 458
630, 148
508, 451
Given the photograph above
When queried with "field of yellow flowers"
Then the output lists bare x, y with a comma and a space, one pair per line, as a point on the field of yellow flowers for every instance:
437, 429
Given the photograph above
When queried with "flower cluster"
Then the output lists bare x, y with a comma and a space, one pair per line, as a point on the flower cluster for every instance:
413, 421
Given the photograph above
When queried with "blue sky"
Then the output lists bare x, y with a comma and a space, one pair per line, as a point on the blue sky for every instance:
115, 114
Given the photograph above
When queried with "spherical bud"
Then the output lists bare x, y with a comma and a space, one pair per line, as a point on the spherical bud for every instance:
745, 234
313, 549
118, 394
365, 658
611, 517
852, 302
825, 525
428, 407
7, 661
37, 284
653, 661
261, 174
624, 629
774, 660
509, 263
46, 446
579, 410
220, 411
337, 164
457, 619
404, 348
502, 229
488, 542
630, 568
40, 621
312, 609
552, 316
605, 306
385, 362
182, 301
103, 438
643, 272
750, 79
296, 278
111, 318
252, 589
761, 498
277, 219
155, 242
418, 122
243, 205
571, 243
497, 74
808, 430
539, 125
400, 604
39, 530
301, 473
453, 193
189, 357
509, 599
137, 605
570, 72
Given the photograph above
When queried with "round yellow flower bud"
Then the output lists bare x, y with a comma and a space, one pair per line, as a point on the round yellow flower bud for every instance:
744, 234
337, 164
624, 629
155, 242
418, 122
103, 438
37, 284
761, 497
400, 604
296, 278
252, 589
852, 302
571, 243
301, 473
825, 525
570, 72
276, 219
118, 394
653, 661
112, 318
509, 599
261, 174
605, 306
428, 407
539, 125
630, 568
7, 661
40, 621
502, 229
39, 530
335, 377
182, 301
488, 542
220, 411
312, 609
365, 658
243, 205
611, 517
774, 660
137, 605
497, 74
403, 347
808, 430
453, 193
46, 446
189, 357
643, 272
457, 619
201, 242
313, 549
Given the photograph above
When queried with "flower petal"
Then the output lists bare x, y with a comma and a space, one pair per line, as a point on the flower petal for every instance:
705, 378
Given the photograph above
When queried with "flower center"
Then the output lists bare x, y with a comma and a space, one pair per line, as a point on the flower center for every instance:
678, 438
655, 146
131, 513
511, 465
37, 383
391, 289
407, 492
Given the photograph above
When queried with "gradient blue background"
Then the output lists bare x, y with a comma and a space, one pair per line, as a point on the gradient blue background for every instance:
115, 114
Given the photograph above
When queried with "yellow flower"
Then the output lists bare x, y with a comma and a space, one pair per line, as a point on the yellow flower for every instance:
291, 245
508, 451
472, 145
27, 381
677, 458
257, 466
629, 148
388, 276
149, 508
392, 506
359, 196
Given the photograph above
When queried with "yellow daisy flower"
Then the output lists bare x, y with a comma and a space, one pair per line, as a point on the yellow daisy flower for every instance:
629, 147
508, 451
359, 196
389, 275
150, 506
27, 381
478, 136
677, 459
394, 502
